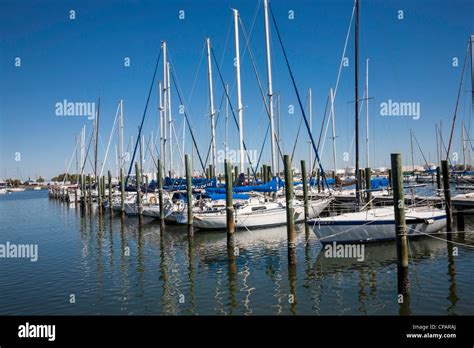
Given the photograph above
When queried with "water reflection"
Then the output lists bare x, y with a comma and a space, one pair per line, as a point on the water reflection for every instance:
119, 266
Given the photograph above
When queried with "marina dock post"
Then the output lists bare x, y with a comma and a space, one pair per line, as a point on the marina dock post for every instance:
139, 192
160, 191
390, 178
236, 174
368, 185
438, 179
110, 190
122, 191
189, 195
400, 224
290, 210
248, 176
229, 207
447, 196
99, 192
318, 176
305, 189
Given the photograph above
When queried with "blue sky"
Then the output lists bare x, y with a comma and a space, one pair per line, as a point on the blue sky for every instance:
83, 59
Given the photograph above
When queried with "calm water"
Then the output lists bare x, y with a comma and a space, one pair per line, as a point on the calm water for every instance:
168, 273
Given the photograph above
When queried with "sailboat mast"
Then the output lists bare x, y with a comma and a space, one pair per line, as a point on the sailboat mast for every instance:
211, 100
170, 120
83, 148
270, 83
239, 93
160, 109
310, 97
367, 113
411, 147
226, 121
333, 133
279, 124
165, 96
96, 139
120, 135
358, 178
463, 146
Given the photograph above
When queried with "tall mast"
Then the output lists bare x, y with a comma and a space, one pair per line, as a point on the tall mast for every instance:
120, 135
165, 97
160, 97
83, 148
211, 100
310, 97
411, 147
333, 133
279, 123
270, 84
438, 158
170, 120
358, 178
367, 113
239, 93
96, 139
463, 146
226, 121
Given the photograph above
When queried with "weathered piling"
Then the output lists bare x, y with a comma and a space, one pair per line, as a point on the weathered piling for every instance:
160, 191
290, 210
229, 206
110, 190
447, 196
438, 179
236, 175
400, 224
248, 176
318, 175
390, 178
139, 191
122, 191
90, 190
368, 185
305, 190
99, 192
189, 194
460, 220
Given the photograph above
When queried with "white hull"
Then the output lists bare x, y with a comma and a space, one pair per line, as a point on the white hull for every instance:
376, 225
275, 215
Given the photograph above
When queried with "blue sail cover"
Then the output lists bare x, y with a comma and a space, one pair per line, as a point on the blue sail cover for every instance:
379, 182
180, 183
221, 196
271, 186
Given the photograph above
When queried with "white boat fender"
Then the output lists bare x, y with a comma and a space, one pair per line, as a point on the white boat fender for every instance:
429, 221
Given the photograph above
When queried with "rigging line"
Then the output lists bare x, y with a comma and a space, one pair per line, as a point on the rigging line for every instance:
299, 99
187, 120
232, 110
110, 140
70, 162
143, 119
298, 133
197, 73
419, 147
457, 102
444, 147
210, 141
87, 153
267, 110
261, 150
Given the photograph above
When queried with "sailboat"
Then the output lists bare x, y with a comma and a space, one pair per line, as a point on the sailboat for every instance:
372, 224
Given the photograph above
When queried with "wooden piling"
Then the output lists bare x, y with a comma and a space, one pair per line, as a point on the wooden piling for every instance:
460, 220
305, 190
236, 175
110, 190
122, 191
318, 175
160, 190
390, 178
438, 178
189, 194
99, 192
248, 176
368, 185
400, 224
229, 206
447, 195
290, 218
139, 190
